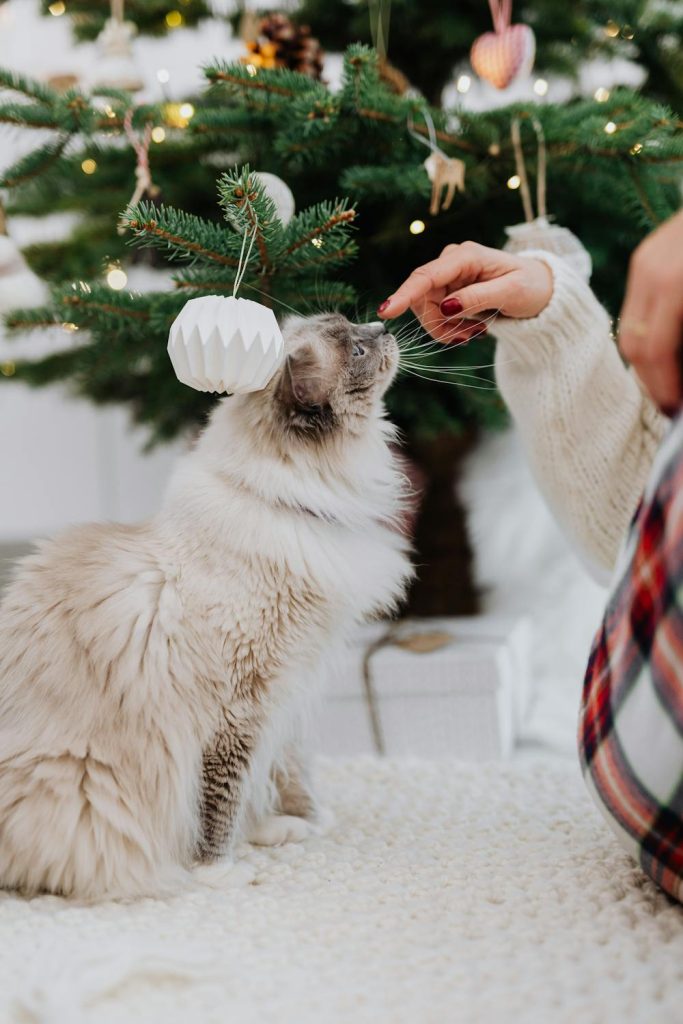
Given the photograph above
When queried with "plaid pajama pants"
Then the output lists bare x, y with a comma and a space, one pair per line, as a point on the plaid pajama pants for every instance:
631, 723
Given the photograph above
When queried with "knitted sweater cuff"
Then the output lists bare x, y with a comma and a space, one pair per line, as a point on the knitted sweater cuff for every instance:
573, 316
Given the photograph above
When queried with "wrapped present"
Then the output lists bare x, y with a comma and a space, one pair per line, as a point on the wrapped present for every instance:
437, 688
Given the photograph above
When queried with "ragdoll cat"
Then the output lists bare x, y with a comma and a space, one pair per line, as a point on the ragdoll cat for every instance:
153, 678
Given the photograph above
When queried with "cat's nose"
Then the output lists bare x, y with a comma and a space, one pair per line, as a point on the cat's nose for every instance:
375, 329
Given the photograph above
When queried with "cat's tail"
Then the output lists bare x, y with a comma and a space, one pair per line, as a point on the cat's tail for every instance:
66, 827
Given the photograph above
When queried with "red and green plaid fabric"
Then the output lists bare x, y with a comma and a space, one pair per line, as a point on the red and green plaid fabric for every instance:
631, 725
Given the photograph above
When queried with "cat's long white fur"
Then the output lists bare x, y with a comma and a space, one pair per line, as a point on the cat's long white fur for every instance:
114, 642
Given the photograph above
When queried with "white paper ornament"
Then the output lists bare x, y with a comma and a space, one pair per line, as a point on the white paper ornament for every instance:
541, 234
280, 193
225, 344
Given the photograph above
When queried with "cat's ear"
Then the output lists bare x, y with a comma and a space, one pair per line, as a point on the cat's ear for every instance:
306, 382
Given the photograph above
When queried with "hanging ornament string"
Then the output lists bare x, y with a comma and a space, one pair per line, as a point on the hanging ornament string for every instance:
541, 169
380, 13
537, 233
501, 14
244, 260
431, 130
143, 175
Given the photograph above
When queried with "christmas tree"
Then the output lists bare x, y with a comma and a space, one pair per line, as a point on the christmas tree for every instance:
614, 172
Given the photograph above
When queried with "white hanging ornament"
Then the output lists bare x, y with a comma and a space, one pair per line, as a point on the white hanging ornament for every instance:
537, 233
20, 288
279, 192
226, 345
115, 66
506, 53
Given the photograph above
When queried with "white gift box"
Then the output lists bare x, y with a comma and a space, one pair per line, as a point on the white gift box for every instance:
464, 699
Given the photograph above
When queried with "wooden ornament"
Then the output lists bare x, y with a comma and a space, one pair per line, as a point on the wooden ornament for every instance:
447, 175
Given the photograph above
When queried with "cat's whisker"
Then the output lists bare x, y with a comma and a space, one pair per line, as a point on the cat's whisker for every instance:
453, 383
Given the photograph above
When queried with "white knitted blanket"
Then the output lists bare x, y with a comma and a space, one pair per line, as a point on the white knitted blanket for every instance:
443, 894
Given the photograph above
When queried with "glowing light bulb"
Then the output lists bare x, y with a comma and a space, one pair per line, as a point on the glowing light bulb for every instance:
612, 29
89, 166
252, 70
514, 182
69, 326
57, 9
463, 84
601, 94
158, 134
636, 148
610, 127
186, 110
7, 369
540, 87
317, 242
174, 19
117, 278
163, 76
417, 227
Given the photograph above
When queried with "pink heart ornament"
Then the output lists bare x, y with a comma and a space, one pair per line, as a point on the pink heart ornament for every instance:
500, 57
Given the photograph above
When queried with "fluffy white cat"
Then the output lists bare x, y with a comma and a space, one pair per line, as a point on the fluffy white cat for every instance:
154, 678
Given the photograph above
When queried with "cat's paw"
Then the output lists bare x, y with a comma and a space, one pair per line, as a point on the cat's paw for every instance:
277, 829
224, 874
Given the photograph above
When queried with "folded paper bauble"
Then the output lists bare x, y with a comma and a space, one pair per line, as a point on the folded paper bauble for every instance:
280, 193
225, 344
499, 57
541, 234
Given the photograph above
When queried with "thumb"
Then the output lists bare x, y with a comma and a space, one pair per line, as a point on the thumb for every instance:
475, 298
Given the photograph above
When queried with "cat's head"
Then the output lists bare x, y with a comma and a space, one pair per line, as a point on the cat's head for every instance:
334, 375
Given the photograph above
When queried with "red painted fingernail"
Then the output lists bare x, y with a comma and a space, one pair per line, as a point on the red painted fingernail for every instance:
449, 307
380, 309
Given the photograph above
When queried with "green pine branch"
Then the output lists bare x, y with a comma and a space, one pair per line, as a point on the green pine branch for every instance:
181, 235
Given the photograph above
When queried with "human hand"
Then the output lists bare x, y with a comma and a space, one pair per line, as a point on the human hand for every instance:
455, 295
651, 322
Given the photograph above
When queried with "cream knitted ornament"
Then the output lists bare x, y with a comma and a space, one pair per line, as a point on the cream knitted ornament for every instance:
541, 234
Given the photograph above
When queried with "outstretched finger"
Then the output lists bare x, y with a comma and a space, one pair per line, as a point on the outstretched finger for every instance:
451, 269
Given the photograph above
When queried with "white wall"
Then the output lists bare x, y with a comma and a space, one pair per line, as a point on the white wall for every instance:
64, 462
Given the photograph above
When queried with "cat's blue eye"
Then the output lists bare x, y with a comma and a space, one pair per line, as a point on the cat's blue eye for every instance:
358, 350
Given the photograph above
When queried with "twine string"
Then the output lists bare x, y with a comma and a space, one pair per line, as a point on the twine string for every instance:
541, 169
143, 174
244, 260
431, 128
501, 14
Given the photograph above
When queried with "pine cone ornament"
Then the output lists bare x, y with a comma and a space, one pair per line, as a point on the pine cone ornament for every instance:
282, 44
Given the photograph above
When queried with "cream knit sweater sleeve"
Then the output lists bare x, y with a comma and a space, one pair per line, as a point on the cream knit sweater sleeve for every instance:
589, 431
